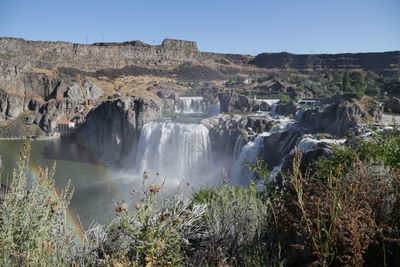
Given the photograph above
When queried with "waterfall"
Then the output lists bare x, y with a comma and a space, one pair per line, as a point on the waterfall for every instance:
240, 174
299, 113
238, 146
270, 102
174, 150
309, 143
193, 104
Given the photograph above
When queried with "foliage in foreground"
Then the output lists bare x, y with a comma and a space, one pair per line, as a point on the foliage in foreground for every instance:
342, 211
33, 227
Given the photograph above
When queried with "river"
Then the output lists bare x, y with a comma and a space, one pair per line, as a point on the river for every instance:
96, 187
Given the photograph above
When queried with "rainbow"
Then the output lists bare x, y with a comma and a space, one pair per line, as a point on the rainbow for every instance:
72, 220
11, 155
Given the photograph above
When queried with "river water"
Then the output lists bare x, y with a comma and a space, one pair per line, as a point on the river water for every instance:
96, 188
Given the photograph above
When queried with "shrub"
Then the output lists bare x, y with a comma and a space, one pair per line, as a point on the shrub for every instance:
285, 99
345, 211
156, 234
233, 226
33, 227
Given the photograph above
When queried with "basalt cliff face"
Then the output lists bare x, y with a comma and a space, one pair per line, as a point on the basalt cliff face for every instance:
23, 63
112, 129
387, 62
47, 69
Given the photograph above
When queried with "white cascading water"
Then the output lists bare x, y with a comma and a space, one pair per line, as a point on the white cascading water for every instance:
192, 104
176, 151
309, 143
240, 174
238, 146
269, 101
299, 113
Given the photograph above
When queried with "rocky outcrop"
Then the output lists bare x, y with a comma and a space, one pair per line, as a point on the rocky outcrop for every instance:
33, 111
112, 129
225, 129
75, 92
392, 105
387, 62
286, 109
179, 44
307, 158
11, 106
48, 114
232, 101
278, 145
340, 115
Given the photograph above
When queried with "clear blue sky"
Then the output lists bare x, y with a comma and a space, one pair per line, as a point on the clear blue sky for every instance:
232, 26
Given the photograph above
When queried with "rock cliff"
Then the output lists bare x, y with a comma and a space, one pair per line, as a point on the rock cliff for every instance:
112, 129
387, 62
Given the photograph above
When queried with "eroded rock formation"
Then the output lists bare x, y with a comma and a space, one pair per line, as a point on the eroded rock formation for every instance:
112, 129
341, 115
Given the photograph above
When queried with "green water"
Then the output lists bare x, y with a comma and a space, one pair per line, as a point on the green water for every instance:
97, 188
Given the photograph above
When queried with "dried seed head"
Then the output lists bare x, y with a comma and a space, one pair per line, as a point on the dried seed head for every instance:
122, 207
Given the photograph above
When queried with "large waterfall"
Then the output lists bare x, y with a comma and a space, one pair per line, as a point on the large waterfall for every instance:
176, 151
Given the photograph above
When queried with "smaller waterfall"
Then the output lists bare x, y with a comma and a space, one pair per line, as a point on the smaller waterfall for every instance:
270, 102
299, 113
309, 143
240, 174
238, 146
193, 104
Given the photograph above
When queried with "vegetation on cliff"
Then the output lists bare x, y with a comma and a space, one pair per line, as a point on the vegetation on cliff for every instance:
342, 211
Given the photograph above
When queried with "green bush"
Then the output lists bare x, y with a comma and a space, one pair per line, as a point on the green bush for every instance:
234, 223
285, 99
33, 227
380, 147
155, 233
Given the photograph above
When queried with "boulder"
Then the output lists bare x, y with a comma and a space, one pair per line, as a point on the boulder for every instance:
232, 101
74, 93
11, 106
286, 109
92, 92
392, 105
278, 145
